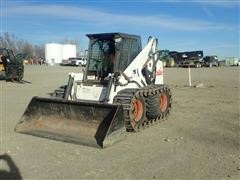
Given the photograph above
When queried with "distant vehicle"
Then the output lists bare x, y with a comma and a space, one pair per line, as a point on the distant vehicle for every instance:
65, 62
210, 61
188, 58
81, 61
166, 58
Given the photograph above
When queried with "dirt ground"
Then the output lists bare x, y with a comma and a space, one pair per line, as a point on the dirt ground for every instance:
200, 139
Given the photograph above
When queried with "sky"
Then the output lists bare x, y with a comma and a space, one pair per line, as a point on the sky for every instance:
181, 25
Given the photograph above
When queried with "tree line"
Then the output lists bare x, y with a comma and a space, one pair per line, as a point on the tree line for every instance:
22, 46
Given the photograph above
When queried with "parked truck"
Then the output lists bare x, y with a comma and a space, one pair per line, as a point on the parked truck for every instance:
188, 58
210, 61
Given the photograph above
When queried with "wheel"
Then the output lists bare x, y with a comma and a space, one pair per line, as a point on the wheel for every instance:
152, 104
8, 74
138, 111
17, 73
59, 93
20, 77
159, 105
164, 63
165, 100
197, 65
171, 62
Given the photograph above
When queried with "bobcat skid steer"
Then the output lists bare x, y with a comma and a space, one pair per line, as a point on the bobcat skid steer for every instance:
121, 89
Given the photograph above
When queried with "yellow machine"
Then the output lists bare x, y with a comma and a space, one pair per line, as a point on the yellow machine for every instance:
13, 67
1, 64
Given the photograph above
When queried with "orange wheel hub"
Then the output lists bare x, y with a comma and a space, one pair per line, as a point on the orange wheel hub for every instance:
137, 110
163, 102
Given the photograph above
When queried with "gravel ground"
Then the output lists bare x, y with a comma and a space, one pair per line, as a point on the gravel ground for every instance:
200, 139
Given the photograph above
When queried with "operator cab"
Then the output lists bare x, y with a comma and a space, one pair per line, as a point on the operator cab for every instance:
7, 56
109, 53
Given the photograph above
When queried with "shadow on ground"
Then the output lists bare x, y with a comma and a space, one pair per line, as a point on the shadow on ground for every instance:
13, 173
3, 78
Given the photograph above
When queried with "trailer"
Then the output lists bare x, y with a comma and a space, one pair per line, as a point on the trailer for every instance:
187, 58
232, 61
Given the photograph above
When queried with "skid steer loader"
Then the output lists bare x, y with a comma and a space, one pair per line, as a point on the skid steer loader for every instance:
121, 89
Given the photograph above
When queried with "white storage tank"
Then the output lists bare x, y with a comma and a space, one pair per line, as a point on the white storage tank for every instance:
53, 53
68, 51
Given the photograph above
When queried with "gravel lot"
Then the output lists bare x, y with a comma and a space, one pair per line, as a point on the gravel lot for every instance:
200, 139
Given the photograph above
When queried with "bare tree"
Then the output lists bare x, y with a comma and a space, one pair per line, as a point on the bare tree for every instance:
22, 46
7, 41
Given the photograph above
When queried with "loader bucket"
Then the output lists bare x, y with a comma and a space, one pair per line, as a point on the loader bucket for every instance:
87, 123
